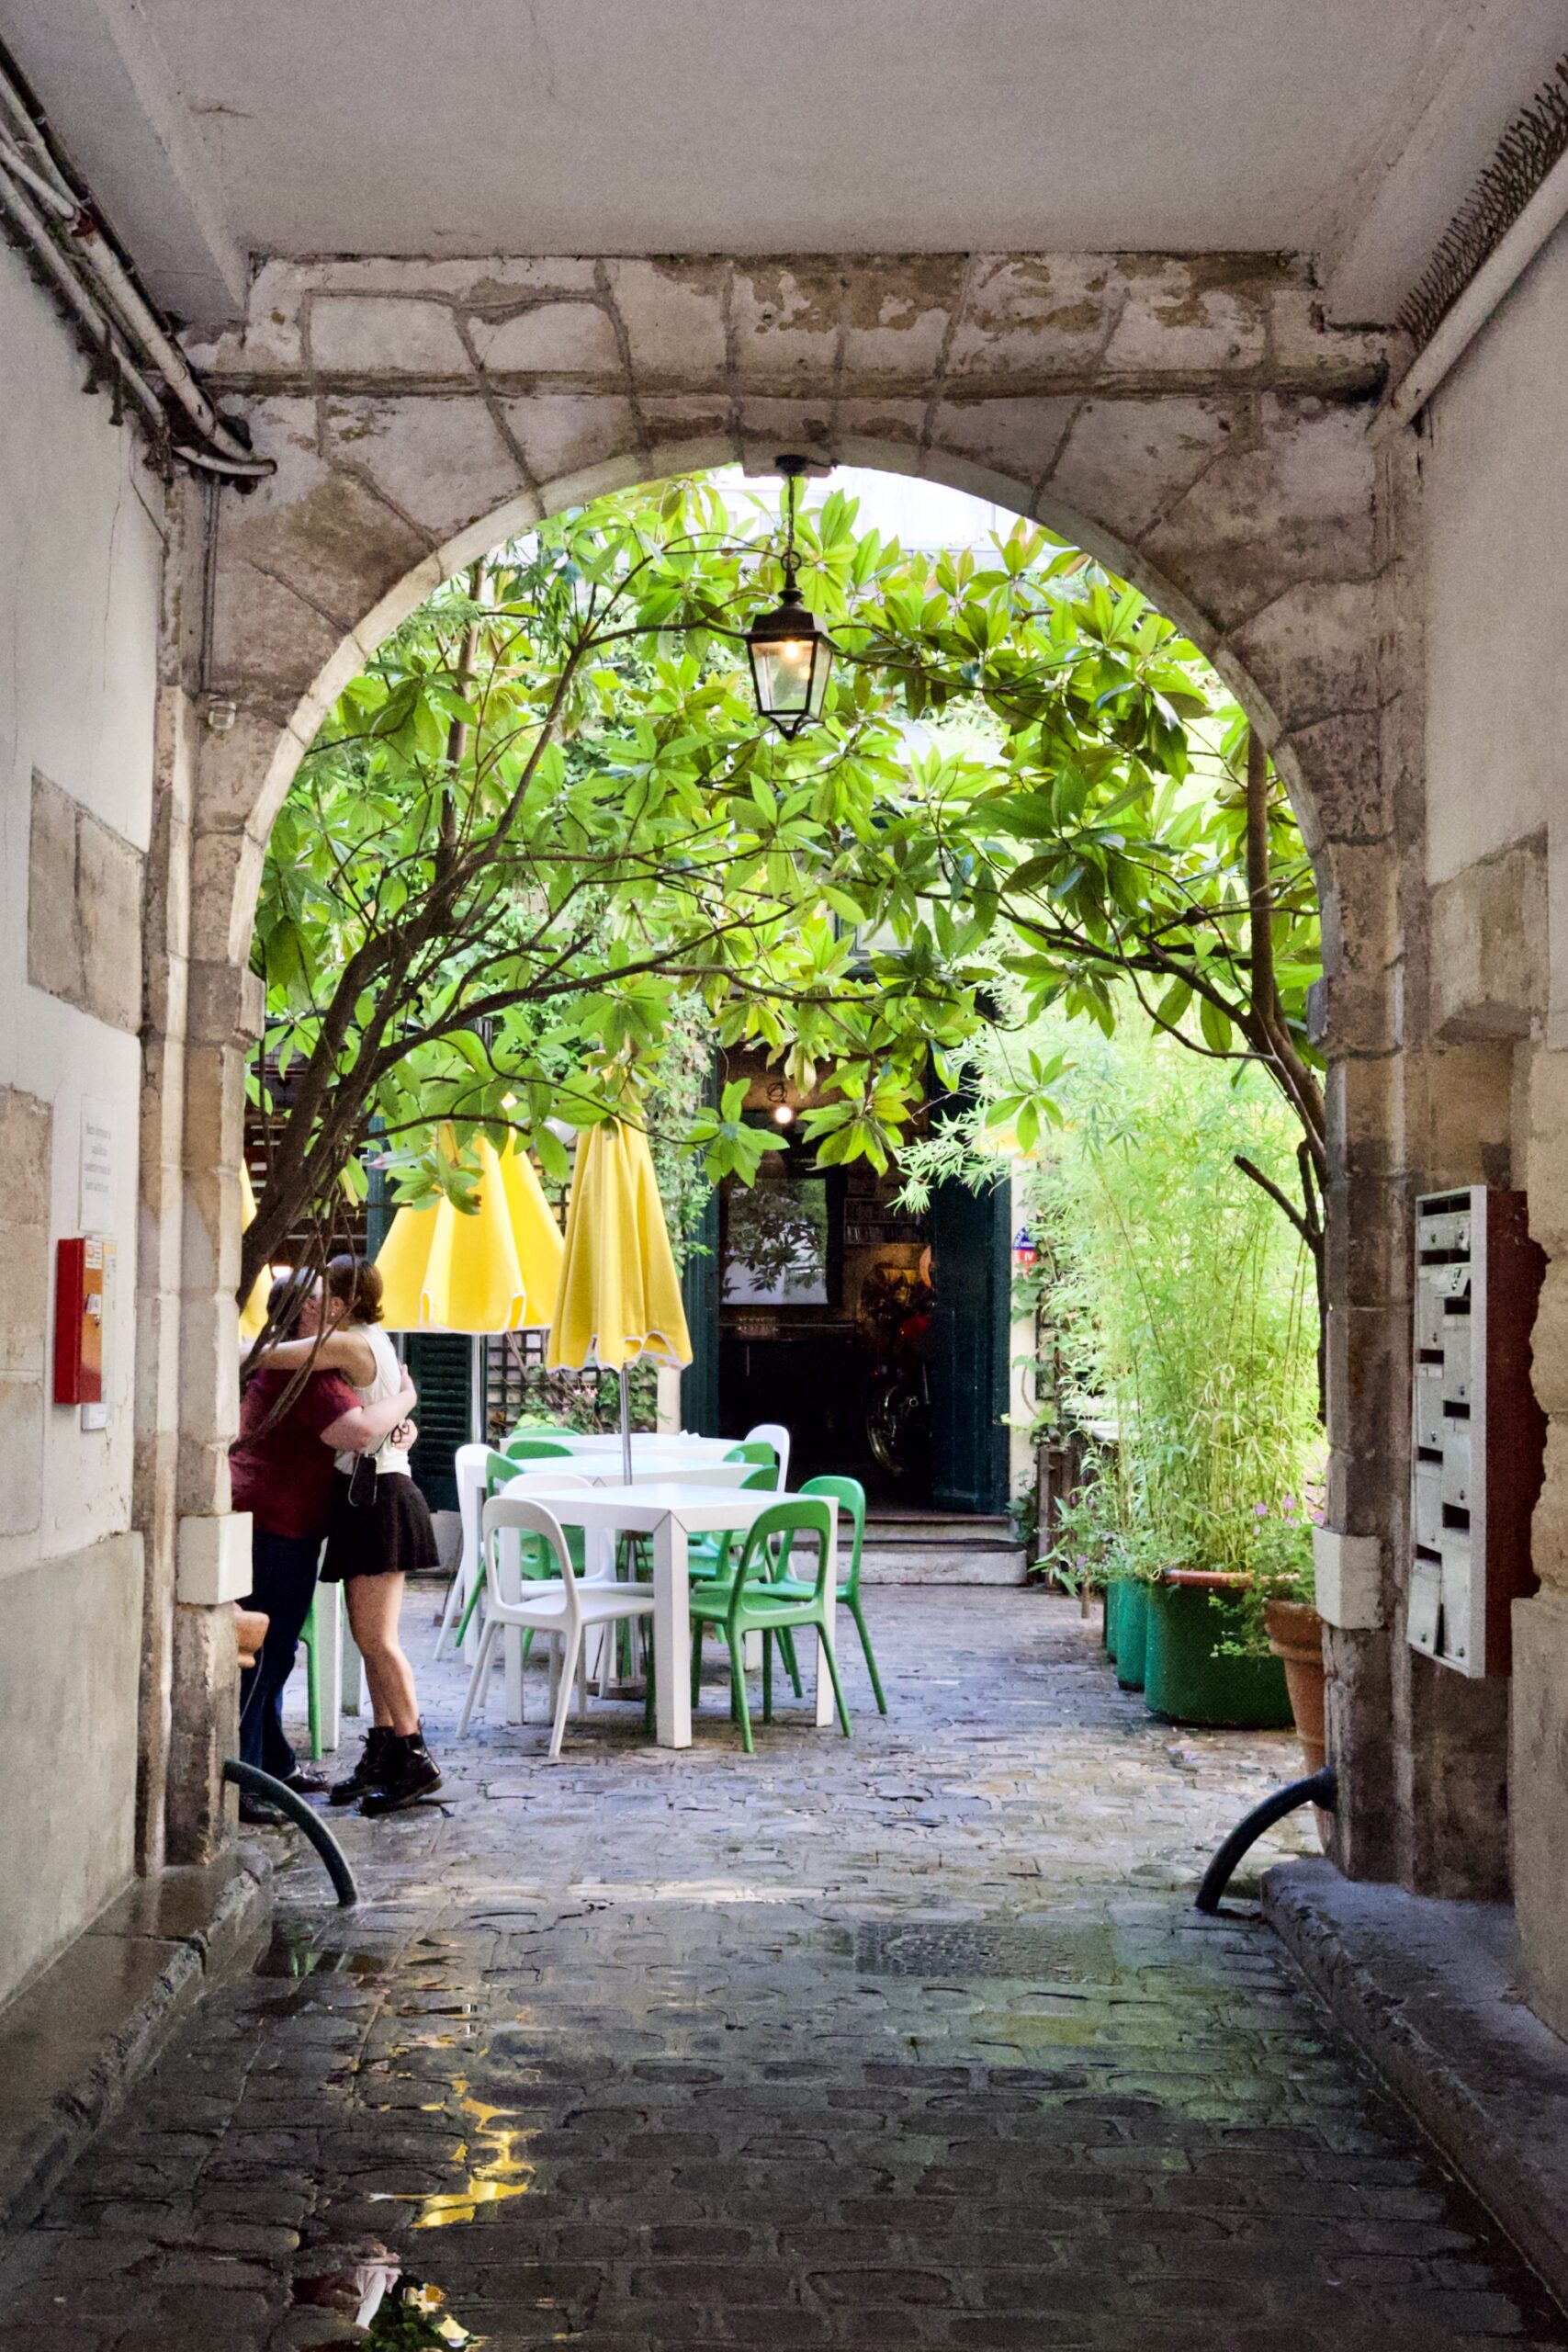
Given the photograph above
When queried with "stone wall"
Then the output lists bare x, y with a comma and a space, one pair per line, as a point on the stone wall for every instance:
82, 528
1191, 421
1496, 1021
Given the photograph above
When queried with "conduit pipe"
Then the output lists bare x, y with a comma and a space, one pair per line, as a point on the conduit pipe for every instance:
1497, 278
104, 298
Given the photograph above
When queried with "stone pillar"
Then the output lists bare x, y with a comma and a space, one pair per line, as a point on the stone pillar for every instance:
1539, 1736
165, 929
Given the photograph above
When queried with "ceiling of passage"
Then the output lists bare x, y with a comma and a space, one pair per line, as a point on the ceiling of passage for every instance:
748, 126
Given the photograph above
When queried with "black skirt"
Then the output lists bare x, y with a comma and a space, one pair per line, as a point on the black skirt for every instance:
393, 1537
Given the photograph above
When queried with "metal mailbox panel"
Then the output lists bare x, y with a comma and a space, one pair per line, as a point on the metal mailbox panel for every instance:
1431, 1428
1456, 1359
1456, 1599
1456, 1469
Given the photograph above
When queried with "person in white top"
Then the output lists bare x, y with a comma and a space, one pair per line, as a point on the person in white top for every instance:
379, 1533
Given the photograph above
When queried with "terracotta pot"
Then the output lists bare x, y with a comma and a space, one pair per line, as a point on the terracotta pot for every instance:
1295, 1635
250, 1626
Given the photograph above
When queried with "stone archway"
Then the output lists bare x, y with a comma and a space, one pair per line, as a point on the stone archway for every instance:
1192, 421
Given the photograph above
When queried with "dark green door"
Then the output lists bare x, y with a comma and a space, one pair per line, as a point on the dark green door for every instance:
699, 1296
972, 1272
441, 1364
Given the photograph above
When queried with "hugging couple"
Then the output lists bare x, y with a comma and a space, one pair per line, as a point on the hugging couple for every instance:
316, 1403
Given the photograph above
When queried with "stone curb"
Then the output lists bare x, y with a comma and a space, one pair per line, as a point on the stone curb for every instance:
76, 2039
1429, 1992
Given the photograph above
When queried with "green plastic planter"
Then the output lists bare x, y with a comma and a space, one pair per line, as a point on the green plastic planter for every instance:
1131, 1623
1113, 1604
1186, 1679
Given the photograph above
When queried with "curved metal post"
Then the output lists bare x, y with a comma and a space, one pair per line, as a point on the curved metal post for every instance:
1318, 1787
262, 1784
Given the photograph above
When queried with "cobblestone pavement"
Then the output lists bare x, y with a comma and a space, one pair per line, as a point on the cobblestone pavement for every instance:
908, 2040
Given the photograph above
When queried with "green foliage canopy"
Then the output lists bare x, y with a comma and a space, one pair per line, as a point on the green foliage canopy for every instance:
545, 824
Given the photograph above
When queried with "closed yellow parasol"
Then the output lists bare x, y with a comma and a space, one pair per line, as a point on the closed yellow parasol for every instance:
620, 1295
252, 1314
497, 1268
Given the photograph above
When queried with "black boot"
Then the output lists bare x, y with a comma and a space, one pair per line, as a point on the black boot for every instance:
409, 1773
376, 1754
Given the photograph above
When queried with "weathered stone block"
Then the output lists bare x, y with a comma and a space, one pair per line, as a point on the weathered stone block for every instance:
1340, 760
1539, 1823
108, 902
1296, 504
226, 871
688, 429
1549, 1526
1489, 976
1126, 462
371, 335
1175, 318
323, 534
84, 910
1548, 1343
54, 945
562, 433
1047, 315
270, 643
898, 312
551, 339
1313, 650
1545, 1171
878, 432
442, 463
786, 317
21, 1449
1017, 441
673, 315
24, 1295
26, 1145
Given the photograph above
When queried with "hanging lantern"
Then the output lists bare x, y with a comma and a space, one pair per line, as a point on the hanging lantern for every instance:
1025, 1251
791, 654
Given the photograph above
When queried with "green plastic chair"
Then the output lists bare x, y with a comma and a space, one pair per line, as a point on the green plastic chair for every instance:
523, 1445
708, 1555
751, 1601
849, 1495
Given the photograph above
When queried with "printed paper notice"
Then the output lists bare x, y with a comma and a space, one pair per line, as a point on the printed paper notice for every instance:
98, 1165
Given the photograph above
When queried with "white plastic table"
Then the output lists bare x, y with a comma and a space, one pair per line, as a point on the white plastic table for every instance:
601, 1470
659, 1441
671, 1510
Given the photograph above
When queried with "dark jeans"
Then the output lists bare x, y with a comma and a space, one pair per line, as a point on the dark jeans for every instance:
283, 1578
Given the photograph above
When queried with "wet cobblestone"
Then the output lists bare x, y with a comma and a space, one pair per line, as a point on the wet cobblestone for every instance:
910, 2041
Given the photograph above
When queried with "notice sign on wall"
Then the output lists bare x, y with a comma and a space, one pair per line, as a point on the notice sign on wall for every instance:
98, 1165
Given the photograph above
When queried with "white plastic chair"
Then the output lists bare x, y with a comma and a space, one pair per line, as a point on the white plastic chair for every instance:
563, 1611
774, 1433
469, 1468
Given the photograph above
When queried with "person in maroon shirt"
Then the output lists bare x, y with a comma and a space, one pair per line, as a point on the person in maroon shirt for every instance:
280, 1470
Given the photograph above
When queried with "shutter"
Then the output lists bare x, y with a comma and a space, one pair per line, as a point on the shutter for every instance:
972, 1268
699, 1296
441, 1364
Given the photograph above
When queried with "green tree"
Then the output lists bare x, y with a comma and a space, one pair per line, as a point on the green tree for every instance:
545, 824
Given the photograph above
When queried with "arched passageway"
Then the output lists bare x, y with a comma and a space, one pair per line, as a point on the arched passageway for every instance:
1201, 431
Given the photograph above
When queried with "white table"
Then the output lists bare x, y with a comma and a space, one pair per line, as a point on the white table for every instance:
659, 1441
671, 1510
648, 1469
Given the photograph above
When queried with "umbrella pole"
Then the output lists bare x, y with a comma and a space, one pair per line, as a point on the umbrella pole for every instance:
626, 1427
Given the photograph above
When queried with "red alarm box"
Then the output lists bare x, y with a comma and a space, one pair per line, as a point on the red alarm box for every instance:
79, 1320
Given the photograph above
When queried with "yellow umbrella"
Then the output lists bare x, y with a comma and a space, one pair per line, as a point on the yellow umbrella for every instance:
252, 1314
495, 1269
620, 1295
